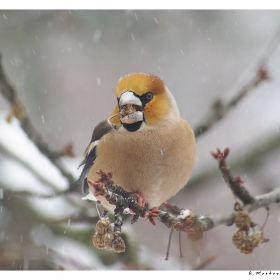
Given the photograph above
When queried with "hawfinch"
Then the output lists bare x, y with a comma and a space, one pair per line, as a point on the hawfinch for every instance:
145, 144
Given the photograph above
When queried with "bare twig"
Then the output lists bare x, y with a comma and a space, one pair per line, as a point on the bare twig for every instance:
220, 109
18, 111
234, 183
116, 195
209, 222
261, 201
180, 220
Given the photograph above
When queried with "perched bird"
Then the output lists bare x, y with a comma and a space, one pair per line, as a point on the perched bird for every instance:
145, 144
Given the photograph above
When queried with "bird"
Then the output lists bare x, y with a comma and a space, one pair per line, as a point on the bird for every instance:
145, 144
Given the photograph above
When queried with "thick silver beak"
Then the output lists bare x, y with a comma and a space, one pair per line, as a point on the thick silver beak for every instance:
128, 98
133, 117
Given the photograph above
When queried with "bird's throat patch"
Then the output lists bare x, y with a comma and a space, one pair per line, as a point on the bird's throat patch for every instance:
133, 126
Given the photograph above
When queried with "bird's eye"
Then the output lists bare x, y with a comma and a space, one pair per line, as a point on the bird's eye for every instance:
149, 95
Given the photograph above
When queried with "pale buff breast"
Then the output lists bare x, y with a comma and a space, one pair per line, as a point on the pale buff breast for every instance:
155, 162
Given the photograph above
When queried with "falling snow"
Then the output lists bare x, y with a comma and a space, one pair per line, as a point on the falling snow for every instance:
71, 55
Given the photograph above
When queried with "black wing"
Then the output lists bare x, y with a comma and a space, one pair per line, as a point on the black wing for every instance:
100, 130
86, 163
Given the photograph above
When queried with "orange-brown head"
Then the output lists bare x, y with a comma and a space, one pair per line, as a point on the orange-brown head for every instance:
142, 98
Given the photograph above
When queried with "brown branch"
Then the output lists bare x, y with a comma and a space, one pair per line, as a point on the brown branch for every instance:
18, 111
220, 108
116, 195
244, 239
261, 201
205, 223
180, 219
234, 183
